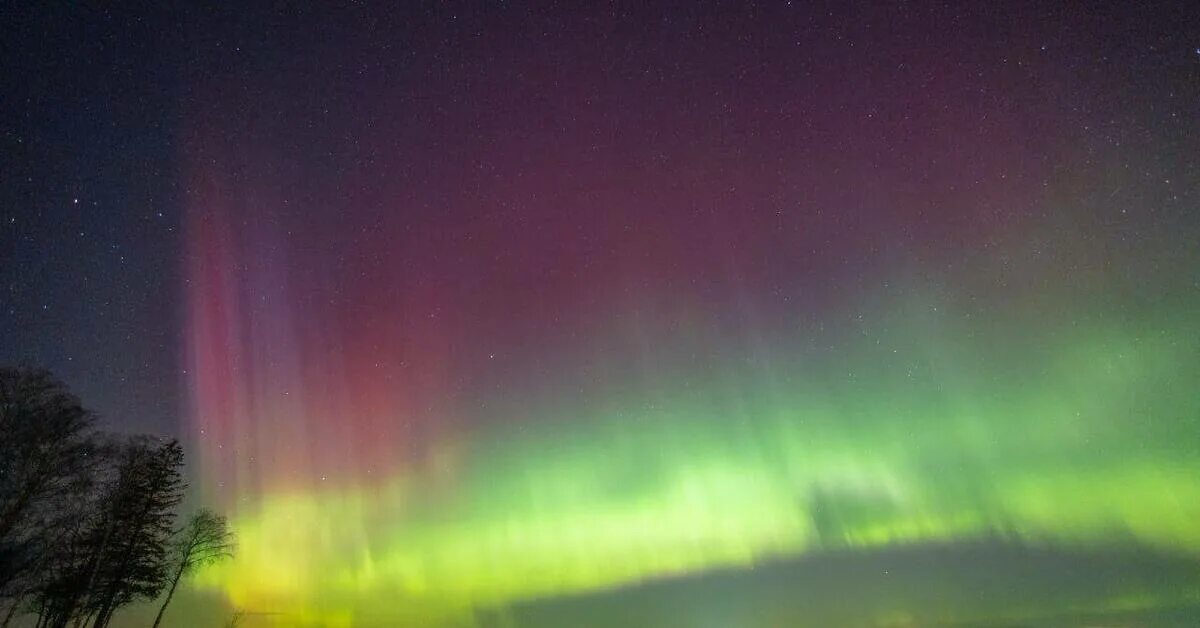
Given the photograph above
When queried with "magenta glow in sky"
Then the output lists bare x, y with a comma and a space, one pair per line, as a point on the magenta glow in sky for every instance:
494, 307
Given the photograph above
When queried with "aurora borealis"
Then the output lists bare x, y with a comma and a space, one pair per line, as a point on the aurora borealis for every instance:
582, 318
887, 431
712, 315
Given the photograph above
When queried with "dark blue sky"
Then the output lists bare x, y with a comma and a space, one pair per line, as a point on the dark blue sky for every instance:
89, 232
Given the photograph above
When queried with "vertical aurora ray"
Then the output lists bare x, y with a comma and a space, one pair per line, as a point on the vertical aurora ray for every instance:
903, 429
473, 356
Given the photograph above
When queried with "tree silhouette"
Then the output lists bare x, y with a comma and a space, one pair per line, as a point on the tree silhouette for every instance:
205, 539
86, 520
134, 547
64, 578
47, 467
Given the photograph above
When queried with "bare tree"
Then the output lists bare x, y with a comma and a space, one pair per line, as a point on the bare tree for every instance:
47, 466
86, 522
136, 551
205, 539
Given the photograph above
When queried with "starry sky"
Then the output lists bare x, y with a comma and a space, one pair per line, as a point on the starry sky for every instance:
538, 315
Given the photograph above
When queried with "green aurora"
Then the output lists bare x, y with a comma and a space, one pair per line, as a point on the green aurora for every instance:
896, 430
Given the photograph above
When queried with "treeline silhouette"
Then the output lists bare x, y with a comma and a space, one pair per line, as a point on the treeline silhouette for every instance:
88, 519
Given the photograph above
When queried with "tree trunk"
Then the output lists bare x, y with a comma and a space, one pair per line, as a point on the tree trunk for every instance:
103, 616
12, 611
108, 603
87, 590
175, 582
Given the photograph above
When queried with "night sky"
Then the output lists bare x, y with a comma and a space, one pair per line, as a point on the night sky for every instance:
674, 315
